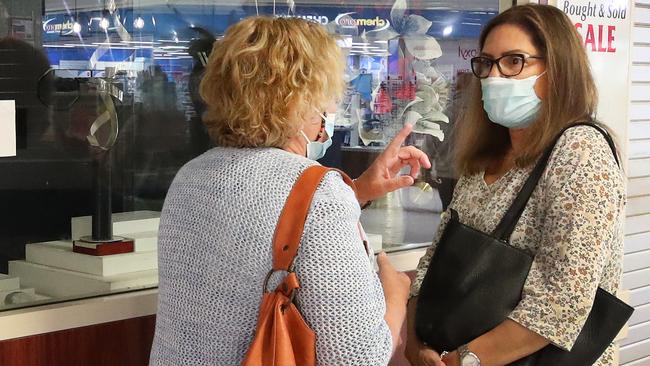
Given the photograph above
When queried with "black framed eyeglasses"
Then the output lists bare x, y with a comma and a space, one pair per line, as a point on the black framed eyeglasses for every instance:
508, 65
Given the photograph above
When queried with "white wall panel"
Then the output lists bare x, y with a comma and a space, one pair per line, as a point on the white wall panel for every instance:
637, 333
641, 314
639, 130
640, 296
639, 149
641, 15
636, 279
637, 205
640, 91
640, 110
642, 362
637, 224
637, 243
636, 261
638, 168
635, 351
641, 53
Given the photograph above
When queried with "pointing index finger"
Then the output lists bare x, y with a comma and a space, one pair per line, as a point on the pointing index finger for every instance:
400, 138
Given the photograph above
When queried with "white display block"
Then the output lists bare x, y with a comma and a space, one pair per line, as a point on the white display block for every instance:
144, 241
3, 294
58, 282
375, 242
59, 254
8, 283
123, 223
407, 260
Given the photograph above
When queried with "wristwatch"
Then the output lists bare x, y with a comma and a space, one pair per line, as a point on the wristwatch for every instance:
468, 358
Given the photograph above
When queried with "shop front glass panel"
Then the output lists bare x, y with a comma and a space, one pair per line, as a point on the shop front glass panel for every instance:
106, 105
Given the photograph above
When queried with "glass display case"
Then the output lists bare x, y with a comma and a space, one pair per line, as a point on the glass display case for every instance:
105, 96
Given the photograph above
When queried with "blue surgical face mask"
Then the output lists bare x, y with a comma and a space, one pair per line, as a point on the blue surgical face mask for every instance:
511, 103
316, 149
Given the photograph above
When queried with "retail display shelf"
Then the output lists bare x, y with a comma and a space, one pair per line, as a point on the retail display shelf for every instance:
57, 282
375, 242
124, 223
8, 283
59, 254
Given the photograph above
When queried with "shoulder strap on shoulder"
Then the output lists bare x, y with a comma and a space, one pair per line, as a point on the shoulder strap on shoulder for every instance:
507, 224
294, 214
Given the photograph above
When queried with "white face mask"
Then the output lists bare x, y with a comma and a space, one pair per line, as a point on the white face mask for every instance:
329, 119
511, 103
316, 149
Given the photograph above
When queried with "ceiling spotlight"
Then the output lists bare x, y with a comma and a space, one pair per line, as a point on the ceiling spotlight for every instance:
104, 23
138, 23
76, 27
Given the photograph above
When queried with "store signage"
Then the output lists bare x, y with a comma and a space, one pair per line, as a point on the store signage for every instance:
456, 55
598, 40
65, 28
346, 20
596, 37
22, 28
467, 53
161, 24
605, 29
321, 19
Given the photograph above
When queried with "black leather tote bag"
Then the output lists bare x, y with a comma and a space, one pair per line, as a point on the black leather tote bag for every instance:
475, 280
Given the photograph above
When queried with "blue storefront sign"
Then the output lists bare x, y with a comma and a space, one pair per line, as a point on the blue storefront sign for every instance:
177, 21
76, 36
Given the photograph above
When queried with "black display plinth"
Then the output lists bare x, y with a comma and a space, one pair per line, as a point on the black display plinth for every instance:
102, 241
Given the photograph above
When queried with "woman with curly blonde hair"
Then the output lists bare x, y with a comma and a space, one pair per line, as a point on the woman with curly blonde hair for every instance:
271, 87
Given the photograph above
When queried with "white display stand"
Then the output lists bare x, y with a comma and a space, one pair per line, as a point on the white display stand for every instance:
11, 286
8, 283
124, 224
4, 294
78, 313
57, 282
53, 269
375, 242
59, 254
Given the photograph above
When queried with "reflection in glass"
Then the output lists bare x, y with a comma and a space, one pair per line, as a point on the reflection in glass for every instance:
404, 65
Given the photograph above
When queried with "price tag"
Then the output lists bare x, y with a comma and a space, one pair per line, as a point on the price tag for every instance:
7, 128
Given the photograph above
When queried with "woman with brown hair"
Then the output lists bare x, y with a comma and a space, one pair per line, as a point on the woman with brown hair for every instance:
533, 81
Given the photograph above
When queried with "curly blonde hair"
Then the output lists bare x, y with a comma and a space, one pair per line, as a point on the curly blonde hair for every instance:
264, 75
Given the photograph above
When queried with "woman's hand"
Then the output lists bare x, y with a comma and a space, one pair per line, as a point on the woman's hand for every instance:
420, 355
382, 176
396, 293
416, 352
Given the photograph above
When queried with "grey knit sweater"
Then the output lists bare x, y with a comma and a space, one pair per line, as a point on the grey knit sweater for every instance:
214, 246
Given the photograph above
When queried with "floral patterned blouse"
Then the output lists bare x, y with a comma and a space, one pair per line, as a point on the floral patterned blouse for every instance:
572, 224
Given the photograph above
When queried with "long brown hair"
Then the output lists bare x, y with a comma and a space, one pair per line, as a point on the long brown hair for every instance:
571, 94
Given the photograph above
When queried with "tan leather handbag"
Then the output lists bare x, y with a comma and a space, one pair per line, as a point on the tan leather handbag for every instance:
282, 337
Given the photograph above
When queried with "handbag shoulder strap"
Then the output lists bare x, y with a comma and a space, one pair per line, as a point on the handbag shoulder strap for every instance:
292, 220
506, 226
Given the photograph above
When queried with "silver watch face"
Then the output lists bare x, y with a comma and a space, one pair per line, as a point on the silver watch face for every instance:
470, 359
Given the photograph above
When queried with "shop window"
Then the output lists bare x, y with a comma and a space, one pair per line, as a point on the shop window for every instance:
109, 89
